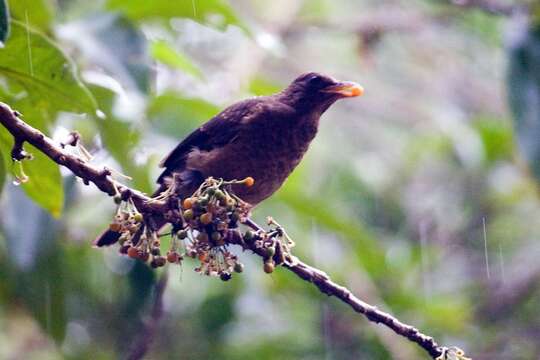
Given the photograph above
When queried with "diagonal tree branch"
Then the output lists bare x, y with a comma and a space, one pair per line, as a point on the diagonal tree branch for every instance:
101, 177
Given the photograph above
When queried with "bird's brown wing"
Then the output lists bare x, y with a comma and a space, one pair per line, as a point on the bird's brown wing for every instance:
217, 132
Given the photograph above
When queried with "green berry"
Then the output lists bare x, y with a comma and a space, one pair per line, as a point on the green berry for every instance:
203, 201
270, 252
220, 195
188, 215
238, 267
249, 236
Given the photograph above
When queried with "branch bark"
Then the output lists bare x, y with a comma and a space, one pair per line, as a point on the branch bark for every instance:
101, 177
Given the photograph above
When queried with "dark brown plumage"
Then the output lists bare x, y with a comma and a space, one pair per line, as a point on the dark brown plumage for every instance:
263, 137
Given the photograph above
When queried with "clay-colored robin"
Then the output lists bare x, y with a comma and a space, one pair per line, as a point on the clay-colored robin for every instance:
264, 138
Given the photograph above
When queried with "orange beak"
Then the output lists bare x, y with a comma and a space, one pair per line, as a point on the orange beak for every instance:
346, 89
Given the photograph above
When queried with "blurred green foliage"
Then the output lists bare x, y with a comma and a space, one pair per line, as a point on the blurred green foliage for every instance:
164, 53
162, 9
524, 94
35, 13
4, 22
414, 196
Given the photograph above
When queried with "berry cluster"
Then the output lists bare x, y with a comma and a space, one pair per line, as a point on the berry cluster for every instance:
204, 225
208, 216
136, 239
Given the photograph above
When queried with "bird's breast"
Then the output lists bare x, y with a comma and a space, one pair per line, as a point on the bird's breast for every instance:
268, 153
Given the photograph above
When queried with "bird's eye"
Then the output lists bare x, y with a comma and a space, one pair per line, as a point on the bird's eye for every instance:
315, 80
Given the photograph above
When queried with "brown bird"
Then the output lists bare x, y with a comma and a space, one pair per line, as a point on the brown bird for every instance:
264, 138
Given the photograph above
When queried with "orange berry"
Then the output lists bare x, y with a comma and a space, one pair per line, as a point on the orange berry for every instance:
133, 252
188, 203
249, 181
206, 218
172, 257
269, 267
115, 227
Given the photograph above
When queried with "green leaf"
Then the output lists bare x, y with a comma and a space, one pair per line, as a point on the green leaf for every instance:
40, 78
524, 95
260, 86
44, 184
2, 172
4, 22
36, 13
213, 12
114, 43
496, 136
39, 81
176, 114
164, 53
216, 312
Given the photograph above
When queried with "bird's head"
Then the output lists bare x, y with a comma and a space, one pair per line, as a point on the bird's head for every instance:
317, 92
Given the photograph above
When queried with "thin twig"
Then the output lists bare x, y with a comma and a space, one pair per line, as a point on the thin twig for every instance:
23, 132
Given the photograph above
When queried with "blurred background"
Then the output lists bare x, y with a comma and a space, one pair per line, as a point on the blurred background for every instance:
421, 196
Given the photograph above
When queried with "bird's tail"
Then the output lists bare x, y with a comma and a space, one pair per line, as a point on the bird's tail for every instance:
110, 237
